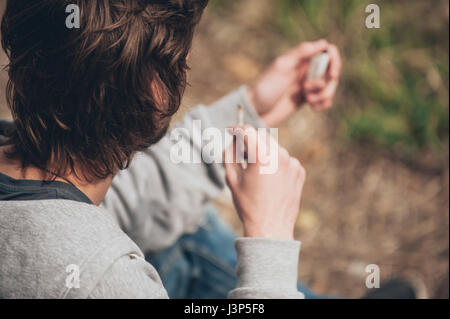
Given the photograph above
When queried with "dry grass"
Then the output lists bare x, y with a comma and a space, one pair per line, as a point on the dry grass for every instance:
360, 206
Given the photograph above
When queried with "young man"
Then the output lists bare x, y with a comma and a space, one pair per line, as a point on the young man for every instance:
86, 159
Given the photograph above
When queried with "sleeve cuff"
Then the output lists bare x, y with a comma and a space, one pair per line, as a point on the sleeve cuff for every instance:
267, 263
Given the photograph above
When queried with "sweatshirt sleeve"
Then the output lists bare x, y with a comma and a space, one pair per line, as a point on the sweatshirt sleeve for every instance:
266, 269
157, 199
130, 277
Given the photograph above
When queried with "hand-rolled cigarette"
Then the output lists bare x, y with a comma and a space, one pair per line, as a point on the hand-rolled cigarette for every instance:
240, 117
241, 123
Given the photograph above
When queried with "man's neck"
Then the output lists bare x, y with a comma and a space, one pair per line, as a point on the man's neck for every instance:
95, 191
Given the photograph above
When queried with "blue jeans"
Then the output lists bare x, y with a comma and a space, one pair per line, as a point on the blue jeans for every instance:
202, 265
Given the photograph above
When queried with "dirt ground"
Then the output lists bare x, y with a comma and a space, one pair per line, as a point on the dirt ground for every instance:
360, 207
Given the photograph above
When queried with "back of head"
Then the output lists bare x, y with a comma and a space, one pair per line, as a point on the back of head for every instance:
93, 96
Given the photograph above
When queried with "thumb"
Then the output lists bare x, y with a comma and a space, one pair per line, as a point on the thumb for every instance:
232, 168
308, 50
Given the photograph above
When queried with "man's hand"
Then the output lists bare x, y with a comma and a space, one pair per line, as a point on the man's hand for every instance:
284, 86
268, 205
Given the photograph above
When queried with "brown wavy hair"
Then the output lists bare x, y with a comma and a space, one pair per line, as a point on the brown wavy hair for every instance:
92, 97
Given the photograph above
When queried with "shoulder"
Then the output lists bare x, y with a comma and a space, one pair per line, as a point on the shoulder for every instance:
41, 241
130, 277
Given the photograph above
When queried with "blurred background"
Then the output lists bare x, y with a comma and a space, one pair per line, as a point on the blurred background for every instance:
378, 163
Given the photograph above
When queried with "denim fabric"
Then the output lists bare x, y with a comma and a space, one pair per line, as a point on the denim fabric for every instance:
202, 265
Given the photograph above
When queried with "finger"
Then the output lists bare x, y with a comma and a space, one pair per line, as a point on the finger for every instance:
335, 67
232, 168
314, 86
295, 164
308, 50
322, 105
229, 152
326, 94
283, 154
247, 136
270, 153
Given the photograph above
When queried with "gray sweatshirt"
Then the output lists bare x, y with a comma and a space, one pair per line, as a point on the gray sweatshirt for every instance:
69, 249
